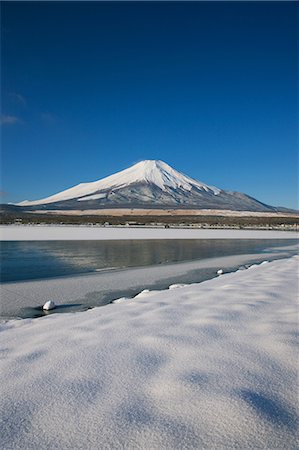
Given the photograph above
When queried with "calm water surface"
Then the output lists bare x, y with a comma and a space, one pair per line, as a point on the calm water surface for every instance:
124, 268
29, 260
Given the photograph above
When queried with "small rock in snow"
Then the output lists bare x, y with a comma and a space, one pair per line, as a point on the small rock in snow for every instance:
49, 305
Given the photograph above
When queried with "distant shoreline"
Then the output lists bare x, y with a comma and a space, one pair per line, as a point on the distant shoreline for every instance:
71, 232
154, 218
118, 212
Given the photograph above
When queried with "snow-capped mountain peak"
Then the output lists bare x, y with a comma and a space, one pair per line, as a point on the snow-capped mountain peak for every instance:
155, 172
149, 184
152, 172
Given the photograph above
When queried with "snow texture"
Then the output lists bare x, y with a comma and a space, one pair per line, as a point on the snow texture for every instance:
207, 366
154, 172
91, 197
65, 233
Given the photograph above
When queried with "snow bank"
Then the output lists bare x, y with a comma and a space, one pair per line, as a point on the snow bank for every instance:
208, 365
67, 232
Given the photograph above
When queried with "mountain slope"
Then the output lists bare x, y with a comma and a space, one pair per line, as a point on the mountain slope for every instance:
149, 172
147, 184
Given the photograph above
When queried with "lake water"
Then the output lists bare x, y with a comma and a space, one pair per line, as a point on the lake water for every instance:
115, 269
25, 260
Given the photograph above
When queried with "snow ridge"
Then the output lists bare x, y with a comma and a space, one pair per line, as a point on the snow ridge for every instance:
149, 171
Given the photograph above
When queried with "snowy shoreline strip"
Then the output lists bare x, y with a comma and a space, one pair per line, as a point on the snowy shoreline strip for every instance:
64, 232
71, 290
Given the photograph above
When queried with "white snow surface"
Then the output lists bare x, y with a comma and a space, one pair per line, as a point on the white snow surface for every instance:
49, 305
149, 171
70, 232
91, 197
208, 366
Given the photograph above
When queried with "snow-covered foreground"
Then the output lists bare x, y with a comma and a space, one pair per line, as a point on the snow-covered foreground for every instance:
208, 365
67, 232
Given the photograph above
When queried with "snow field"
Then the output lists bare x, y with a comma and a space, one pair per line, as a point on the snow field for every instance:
68, 232
207, 365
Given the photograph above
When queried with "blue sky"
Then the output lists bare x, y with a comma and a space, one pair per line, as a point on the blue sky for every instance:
91, 88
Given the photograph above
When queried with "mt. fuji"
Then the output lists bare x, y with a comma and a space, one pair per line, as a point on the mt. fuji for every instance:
147, 184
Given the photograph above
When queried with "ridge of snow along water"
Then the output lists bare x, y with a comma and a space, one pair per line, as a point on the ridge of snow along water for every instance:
82, 232
209, 365
150, 171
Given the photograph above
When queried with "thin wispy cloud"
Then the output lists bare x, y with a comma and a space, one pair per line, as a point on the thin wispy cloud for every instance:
6, 119
17, 99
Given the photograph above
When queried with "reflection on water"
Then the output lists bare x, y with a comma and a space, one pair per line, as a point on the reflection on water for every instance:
24, 260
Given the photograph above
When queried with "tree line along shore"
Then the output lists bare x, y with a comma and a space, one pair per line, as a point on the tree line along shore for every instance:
281, 222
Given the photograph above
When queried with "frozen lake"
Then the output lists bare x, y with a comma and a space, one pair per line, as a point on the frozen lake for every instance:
27, 260
89, 233
83, 274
